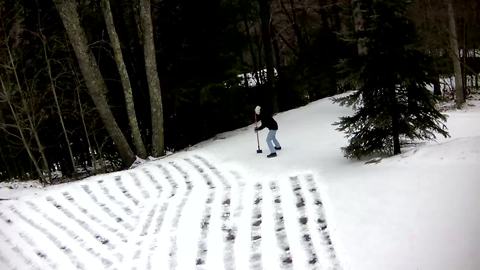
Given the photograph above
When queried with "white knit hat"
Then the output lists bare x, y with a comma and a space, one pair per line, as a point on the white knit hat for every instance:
257, 110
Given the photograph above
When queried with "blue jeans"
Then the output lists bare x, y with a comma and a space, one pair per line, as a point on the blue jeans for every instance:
271, 140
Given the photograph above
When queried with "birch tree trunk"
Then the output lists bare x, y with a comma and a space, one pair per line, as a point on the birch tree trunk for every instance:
156, 107
93, 78
454, 54
122, 70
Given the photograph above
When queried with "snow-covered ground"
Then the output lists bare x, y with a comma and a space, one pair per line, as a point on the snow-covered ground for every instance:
220, 205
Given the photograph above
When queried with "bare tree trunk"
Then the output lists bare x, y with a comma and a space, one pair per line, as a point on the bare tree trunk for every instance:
93, 78
125, 79
100, 154
436, 86
454, 54
26, 108
156, 107
476, 72
84, 125
258, 42
276, 53
41, 148
251, 49
295, 26
7, 169
464, 59
52, 87
57, 104
265, 18
20, 131
395, 121
359, 21
82, 117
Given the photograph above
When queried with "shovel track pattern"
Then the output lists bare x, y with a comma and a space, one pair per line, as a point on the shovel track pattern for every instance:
138, 220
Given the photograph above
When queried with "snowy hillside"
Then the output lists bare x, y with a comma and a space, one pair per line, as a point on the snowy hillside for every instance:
220, 205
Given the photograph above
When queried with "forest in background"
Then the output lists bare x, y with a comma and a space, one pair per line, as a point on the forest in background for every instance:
88, 85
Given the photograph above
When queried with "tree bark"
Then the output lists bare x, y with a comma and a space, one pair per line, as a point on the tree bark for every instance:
156, 107
2, 118
6, 166
251, 49
454, 54
359, 21
265, 18
437, 91
93, 78
464, 59
84, 125
295, 26
20, 131
26, 108
395, 121
125, 79
475, 72
57, 104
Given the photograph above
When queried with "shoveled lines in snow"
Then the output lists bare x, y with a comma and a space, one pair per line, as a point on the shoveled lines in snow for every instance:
8, 244
93, 218
141, 237
73, 235
3, 249
228, 228
303, 223
322, 222
70, 216
280, 232
144, 233
152, 180
154, 216
119, 219
159, 216
115, 200
256, 234
51, 237
239, 209
51, 261
176, 219
138, 184
167, 197
205, 222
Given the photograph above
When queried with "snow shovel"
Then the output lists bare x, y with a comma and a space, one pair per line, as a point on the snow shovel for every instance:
259, 151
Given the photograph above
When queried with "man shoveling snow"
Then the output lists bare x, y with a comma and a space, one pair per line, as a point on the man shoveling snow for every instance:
268, 122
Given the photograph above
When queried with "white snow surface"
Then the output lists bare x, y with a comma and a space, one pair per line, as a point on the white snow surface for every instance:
220, 205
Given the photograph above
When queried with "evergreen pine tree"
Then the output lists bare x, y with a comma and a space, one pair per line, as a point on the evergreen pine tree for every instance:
392, 103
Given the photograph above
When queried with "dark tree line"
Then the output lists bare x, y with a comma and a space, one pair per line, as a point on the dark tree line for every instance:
87, 85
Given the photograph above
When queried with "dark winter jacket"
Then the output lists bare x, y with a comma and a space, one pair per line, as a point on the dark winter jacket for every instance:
267, 122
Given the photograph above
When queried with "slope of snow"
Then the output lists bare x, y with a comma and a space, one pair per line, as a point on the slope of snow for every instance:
220, 205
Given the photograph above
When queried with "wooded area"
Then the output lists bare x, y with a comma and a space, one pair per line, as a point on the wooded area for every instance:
86, 86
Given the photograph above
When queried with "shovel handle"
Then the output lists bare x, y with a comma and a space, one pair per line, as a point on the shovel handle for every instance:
258, 142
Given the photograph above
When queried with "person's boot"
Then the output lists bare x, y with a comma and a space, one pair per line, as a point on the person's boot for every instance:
278, 148
271, 155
